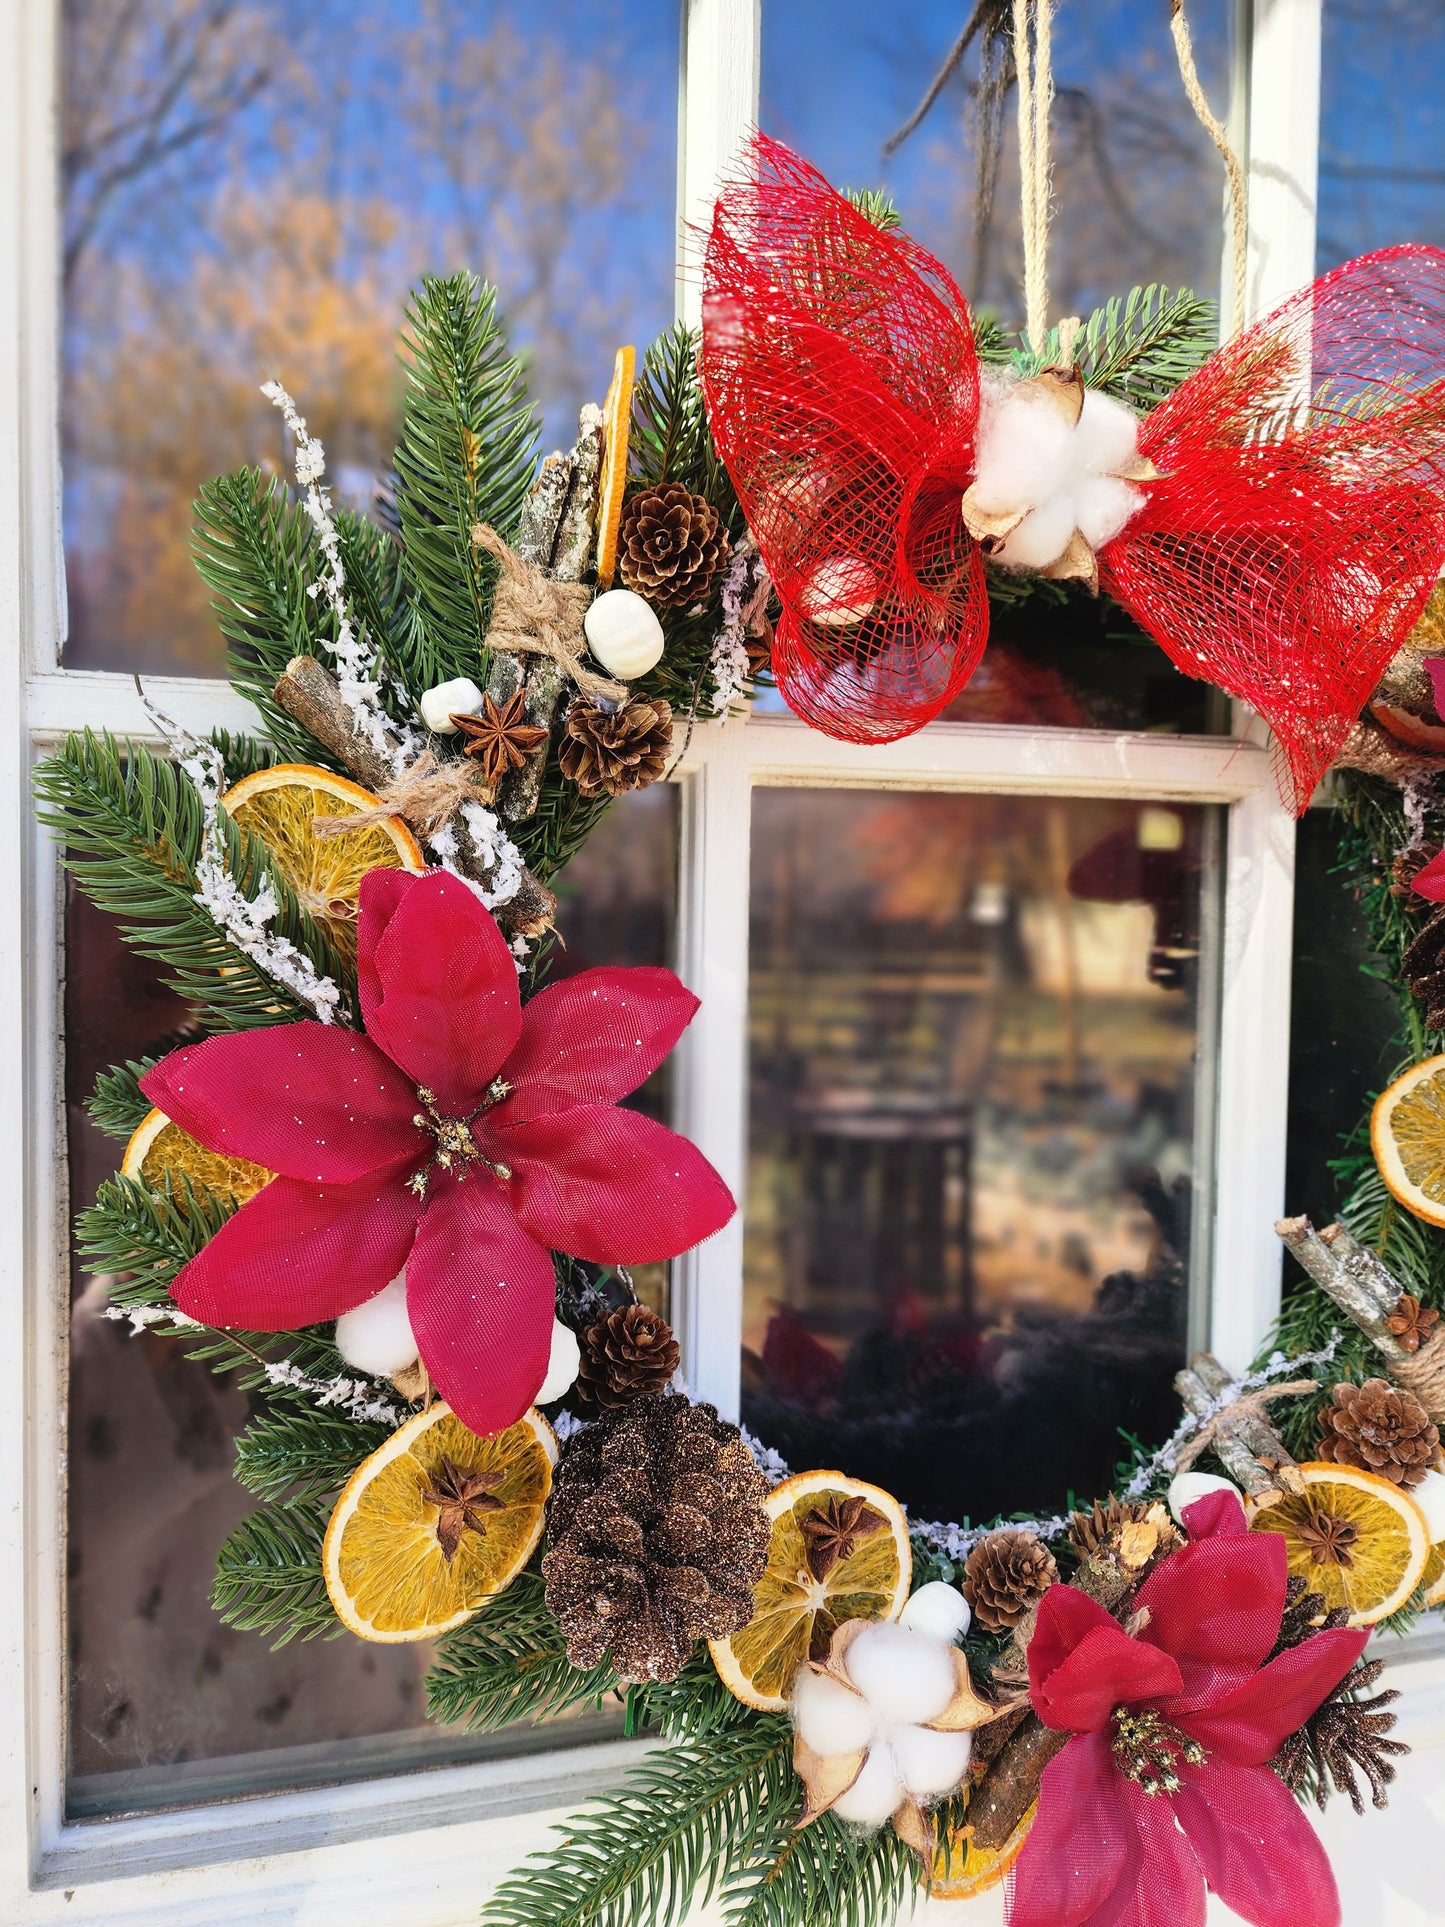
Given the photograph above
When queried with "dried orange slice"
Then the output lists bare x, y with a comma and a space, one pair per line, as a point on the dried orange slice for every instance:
1407, 1136
159, 1150
796, 1611
434, 1485
961, 1870
616, 420
1386, 1540
281, 804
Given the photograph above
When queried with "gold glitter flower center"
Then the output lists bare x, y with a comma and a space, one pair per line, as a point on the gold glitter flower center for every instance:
1148, 1749
456, 1147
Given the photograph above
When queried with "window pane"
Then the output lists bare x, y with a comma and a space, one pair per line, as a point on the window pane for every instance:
168, 1705
975, 1023
1382, 127
251, 186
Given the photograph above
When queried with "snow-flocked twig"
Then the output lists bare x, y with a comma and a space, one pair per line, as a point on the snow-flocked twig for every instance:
744, 593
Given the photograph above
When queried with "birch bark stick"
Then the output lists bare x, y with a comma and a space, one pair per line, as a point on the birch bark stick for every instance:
1360, 1283
1252, 1430
537, 532
1263, 1486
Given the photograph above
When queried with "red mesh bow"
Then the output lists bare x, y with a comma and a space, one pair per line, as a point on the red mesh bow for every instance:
1165, 1787
1284, 555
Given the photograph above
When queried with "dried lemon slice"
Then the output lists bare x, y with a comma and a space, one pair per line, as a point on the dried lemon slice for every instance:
435, 1523
281, 804
1407, 1136
616, 420
1357, 1538
961, 1870
802, 1597
159, 1150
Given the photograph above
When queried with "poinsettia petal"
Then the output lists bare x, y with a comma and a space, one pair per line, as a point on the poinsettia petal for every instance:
1248, 1726
611, 1186
1218, 1515
298, 1253
1162, 1884
479, 1294
381, 891
1083, 1841
1258, 1851
311, 1101
1216, 1606
593, 1038
448, 1011
1082, 1664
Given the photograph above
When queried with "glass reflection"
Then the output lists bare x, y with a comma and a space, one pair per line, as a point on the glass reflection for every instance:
974, 1023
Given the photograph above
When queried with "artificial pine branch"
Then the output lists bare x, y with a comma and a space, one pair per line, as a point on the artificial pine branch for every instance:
466, 455
132, 827
118, 1105
304, 1454
824, 1875
1141, 346
269, 1576
510, 1663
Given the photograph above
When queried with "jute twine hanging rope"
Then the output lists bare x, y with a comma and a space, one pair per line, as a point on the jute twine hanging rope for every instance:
1033, 58
1238, 186
535, 615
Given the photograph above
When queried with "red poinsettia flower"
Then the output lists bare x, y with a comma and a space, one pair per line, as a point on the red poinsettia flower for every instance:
464, 1137
1166, 1785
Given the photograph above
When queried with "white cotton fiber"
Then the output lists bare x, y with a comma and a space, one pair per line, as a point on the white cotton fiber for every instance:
830, 1718
377, 1336
1102, 506
1186, 1487
875, 1794
938, 1610
1042, 537
1429, 1495
929, 1764
1106, 436
905, 1677
562, 1363
1024, 452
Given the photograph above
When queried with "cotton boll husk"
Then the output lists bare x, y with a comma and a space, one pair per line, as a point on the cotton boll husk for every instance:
905, 1677
562, 1363
929, 1764
830, 1718
875, 1794
1106, 436
938, 1610
1429, 1495
1187, 1487
1025, 453
1103, 506
377, 1337
1042, 537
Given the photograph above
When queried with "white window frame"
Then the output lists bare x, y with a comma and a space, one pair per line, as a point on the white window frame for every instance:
424, 1847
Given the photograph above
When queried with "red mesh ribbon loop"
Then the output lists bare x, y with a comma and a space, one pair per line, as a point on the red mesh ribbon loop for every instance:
1285, 554
841, 381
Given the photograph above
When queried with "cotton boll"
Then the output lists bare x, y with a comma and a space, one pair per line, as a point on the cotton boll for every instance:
875, 1794
1042, 537
377, 1336
905, 1677
938, 1610
1188, 1487
562, 1363
1429, 1495
1025, 453
929, 1764
1106, 437
1104, 505
830, 1718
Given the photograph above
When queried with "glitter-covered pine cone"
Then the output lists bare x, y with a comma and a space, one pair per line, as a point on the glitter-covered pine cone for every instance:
656, 1537
1379, 1428
670, 546
626, 1355
1005, 1574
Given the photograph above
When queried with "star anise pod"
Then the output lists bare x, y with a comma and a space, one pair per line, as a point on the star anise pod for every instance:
462, 1498
1328, 1538
830, 1535
1411, 1322
500, 739
1344, 1736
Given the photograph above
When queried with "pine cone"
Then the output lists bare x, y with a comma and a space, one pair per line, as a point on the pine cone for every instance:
606, 752
1379, 1428
626, 1355
1089, 1530
1424, 968
656, 1536
670, 545
1411, 1322
1005, 1574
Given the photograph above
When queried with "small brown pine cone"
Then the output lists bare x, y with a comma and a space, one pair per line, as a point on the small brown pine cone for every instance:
626, 1355
1424, 966
670, 545
1379, 1428
1005, 1574
1411, 1322
1089, 1530
606, 752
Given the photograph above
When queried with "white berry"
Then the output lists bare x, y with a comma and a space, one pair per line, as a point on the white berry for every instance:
840, 593
460, 697
377, 1337
1188, 1488
624, 634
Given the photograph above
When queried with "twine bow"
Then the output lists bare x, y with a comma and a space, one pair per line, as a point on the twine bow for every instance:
427, 795
1247, 1405
535, 615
